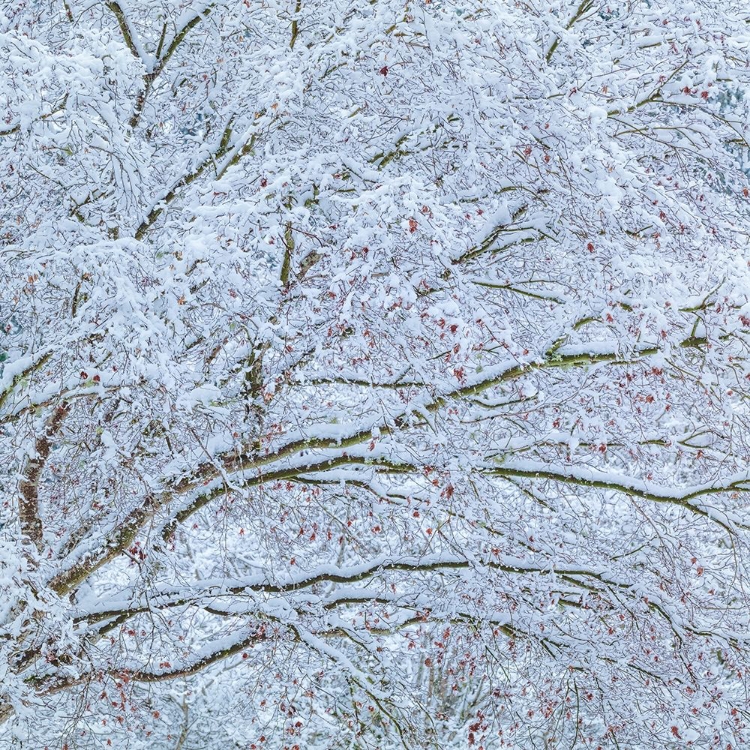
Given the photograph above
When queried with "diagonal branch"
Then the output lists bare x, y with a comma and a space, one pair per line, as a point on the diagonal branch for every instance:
155, 65
221, 150
128, 33
179, 38
21, 375
200, 664
28, 502
582, 9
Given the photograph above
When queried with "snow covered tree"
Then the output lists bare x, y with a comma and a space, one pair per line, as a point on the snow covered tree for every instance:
374, 373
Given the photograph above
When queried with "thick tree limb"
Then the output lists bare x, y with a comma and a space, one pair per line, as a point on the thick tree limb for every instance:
29, 517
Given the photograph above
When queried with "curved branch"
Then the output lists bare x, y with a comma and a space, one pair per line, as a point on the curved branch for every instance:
589, 477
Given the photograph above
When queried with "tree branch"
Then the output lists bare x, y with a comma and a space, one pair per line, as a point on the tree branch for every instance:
128, 34
28, 513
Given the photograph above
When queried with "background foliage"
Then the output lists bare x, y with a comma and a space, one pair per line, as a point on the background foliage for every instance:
374, 374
